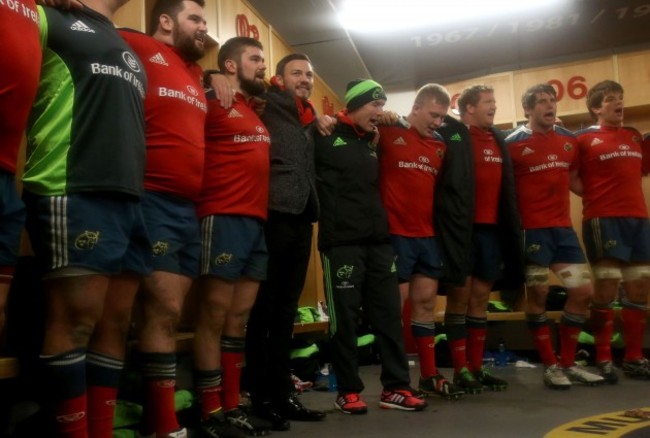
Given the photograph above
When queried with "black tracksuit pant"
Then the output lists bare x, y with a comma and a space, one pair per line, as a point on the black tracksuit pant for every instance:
363, 276
270, 326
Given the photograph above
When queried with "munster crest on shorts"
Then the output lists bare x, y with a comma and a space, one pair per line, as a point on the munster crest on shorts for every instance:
223, 259
86, 240
535, 247
610, 244
345, 272
160, 248
567, 147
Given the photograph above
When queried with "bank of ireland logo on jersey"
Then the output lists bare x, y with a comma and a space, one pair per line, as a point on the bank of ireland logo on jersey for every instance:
192, 91
130, 60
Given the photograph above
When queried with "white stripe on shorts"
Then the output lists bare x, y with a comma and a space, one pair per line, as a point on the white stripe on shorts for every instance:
206, 243
59, 231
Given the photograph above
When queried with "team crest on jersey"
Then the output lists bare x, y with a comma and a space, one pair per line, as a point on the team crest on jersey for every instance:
345, 272
158, 59
87, 240
440, 153
160, 248
636, 139
535, 247
233, 114
596, 141
400, 141
568, 147
223, 259
527, 151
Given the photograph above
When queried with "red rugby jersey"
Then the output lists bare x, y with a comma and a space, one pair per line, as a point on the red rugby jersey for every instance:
237, 161
645, 148
409, 165
542, 162
175, 110
20, 64
609, 160
488, 164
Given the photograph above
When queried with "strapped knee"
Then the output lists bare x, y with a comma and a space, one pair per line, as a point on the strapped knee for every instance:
632, 273
536, 275
574, 276
607, 273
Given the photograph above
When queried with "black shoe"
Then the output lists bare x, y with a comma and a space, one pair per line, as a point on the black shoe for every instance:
218, 427
292, 409
265, 411
250, 424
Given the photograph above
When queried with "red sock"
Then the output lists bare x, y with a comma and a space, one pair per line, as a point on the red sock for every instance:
159, 415
602, 326
542, 338
101, 410
475, 347
71, 417
634, 321
568, 344
231, 363
210, 401
458, 351
427, 354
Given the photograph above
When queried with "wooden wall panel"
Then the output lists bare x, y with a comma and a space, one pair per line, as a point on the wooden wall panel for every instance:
278, 50
634, 76
228, 10
502, 84
570, 80
131, 15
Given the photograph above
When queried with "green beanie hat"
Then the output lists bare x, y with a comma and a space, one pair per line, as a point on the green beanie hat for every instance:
362, 91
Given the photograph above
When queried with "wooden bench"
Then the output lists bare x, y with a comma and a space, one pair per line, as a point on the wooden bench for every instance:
8, 367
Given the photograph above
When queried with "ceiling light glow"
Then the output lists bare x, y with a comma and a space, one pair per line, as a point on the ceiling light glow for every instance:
384, 15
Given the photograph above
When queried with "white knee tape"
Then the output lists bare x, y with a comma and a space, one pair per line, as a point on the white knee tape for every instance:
574, 276
536, 275
607, 273
632, 273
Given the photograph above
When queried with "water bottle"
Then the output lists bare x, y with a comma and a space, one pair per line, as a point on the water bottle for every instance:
502, 355
331, 379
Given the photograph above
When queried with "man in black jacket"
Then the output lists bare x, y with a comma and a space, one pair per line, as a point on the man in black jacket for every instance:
480, 231
358, 266
293, 206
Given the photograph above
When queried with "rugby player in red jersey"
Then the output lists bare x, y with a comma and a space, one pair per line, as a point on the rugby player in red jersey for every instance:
233, 209
616, 231
175, 112
542, 155
411, 155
